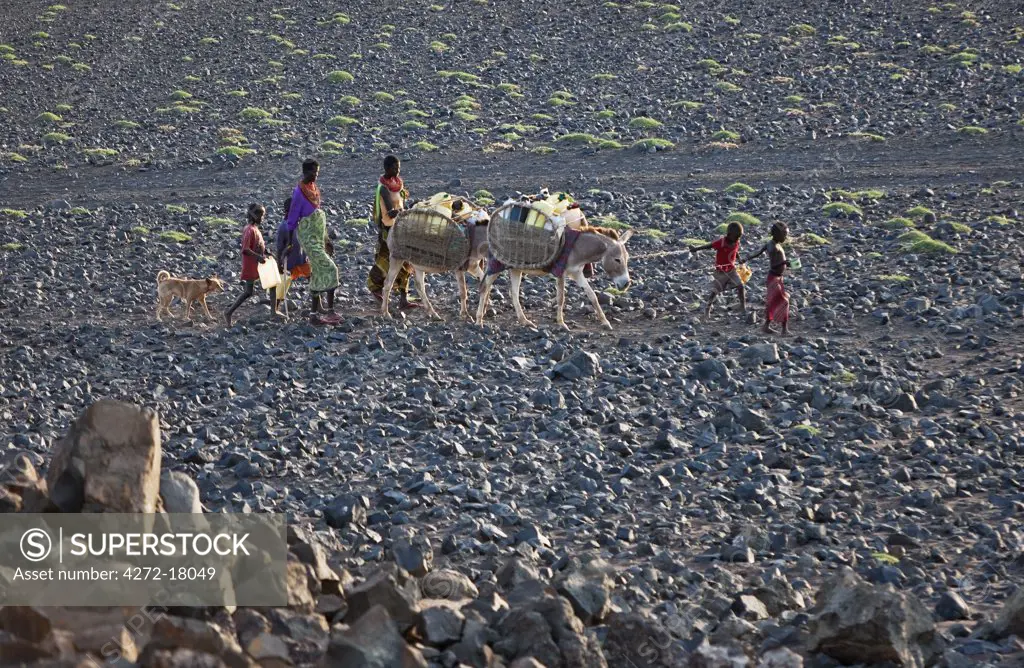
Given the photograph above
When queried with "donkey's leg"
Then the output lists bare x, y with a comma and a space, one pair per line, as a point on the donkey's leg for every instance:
460, 277
421, 287
560, 302
517, 280
593, 299
485, 294
389, 282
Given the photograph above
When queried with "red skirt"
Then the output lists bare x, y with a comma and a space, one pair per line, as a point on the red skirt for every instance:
776, 301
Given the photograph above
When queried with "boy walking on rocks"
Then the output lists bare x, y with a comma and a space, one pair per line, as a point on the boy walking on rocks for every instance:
726, 277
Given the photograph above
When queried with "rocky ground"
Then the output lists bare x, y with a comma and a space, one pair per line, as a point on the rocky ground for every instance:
675, 481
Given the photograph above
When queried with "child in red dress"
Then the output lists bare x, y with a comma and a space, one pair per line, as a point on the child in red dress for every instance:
254, 253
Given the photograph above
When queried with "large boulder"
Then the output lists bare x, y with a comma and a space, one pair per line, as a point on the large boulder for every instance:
1010, 620
372, 642
546, 629
391, 589
857, 622
108, 461
179, 493
640, 641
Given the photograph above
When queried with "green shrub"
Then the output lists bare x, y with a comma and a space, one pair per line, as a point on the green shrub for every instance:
897, 223
175, 236
744, 219
741, 188
653, 142
610, 144
341, 121
868, 135
726, 135
381, 96
126, 125
176, 208
811, 239
919, 212
140, 230
844, 209
464, 77
973, 130
915, 241
55, 138
611, 221
100, 152
13, 213
892, 278
424, 146
645, 123
340, 76
217, 221
604, 114
48, 117
12, 246
413, 125
802, 30
578, 138
254, 114
237, 151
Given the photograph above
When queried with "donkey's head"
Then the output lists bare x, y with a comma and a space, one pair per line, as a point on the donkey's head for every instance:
616, 261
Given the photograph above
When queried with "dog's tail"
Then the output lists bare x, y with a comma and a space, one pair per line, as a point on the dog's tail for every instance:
162, 275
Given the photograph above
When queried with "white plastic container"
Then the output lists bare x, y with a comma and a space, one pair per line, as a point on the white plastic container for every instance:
270, 274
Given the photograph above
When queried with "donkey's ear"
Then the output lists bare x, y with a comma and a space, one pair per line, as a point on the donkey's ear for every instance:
625, 237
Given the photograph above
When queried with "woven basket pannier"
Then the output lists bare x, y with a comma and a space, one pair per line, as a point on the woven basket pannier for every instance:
429, 238
523, 237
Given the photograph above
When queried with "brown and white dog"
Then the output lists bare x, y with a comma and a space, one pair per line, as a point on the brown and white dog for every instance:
188, 290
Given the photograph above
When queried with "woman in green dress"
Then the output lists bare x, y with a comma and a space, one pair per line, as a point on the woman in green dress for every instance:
309, 220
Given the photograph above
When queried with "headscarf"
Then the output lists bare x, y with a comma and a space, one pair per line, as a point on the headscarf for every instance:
311, 191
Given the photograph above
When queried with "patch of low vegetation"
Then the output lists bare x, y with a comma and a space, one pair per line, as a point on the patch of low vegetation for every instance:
726, 135
15, 157
919, 212
611, 221
413, 125
972, 130
578, 138
175, 236
12, 246
657, 235
960, 228
425, 146
645, 123
254, 114
382, 96
14, 213
604, 115
100, 152
176, 208
655, 143
743, 218
689, 105
727, 87
870, 136
341, 121
235, 151
844, 209
219, 221
892, 278
802, 30
340, 76
48, 117
917, 242
357, 222
464, 77
998, 220
897, 223
126, 125
55, 138
811, 239
739, 189
543, 150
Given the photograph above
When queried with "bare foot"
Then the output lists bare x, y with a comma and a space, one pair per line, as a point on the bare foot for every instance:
767, 328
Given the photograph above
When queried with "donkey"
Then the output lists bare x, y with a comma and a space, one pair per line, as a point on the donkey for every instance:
474, 267
594, 244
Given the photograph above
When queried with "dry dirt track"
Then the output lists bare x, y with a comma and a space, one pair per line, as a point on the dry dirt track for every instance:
833, 163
